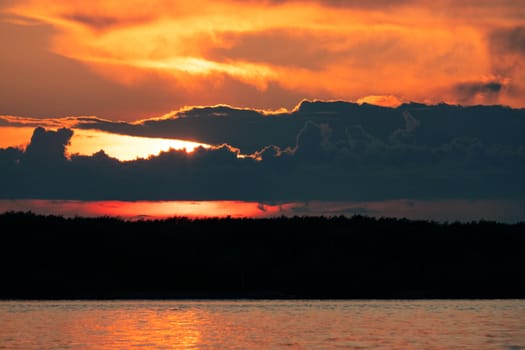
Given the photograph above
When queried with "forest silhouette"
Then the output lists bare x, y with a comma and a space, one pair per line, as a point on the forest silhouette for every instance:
52, 257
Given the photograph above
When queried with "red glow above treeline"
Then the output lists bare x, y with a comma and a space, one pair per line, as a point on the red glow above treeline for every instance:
441, 210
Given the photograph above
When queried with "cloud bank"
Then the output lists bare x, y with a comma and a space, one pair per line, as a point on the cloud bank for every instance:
328, 151
252, 130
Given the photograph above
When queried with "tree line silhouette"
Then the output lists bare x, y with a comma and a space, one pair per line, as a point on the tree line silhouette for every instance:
52, 257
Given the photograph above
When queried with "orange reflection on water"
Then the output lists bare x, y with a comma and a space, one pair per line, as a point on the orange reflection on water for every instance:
179, 328
108, 325
261, 325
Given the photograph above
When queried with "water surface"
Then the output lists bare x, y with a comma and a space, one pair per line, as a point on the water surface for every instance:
497, 324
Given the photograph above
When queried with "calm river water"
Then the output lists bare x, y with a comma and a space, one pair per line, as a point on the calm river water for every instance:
435, 324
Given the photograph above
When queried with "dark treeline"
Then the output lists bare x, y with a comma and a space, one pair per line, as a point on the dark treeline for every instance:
45, 257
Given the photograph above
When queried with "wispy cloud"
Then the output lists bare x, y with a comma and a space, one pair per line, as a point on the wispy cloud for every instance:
270, 53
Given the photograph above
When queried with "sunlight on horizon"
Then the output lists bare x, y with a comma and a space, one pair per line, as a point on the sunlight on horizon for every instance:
134, 210
125, 147
88, 142
509, 211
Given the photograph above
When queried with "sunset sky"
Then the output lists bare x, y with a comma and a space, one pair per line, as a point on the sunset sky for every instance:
126, 80
134, 59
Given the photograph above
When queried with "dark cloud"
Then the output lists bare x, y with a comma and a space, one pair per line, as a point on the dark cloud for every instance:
378, 4
103, 22
471, 92
10, 157
48, 146
507, 53
251, 130
509, 40
381, 4
333, 209
422, 153
98, 22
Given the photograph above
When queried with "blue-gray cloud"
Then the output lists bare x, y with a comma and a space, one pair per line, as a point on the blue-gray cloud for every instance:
418, 124
323, 151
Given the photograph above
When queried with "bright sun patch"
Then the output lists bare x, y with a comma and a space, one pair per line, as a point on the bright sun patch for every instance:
125, 147
88, 142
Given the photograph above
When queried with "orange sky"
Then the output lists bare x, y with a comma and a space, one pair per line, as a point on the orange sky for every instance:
135, 59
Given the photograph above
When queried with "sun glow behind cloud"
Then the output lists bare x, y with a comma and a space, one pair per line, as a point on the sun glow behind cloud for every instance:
88, 142
125, 147
15, 136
